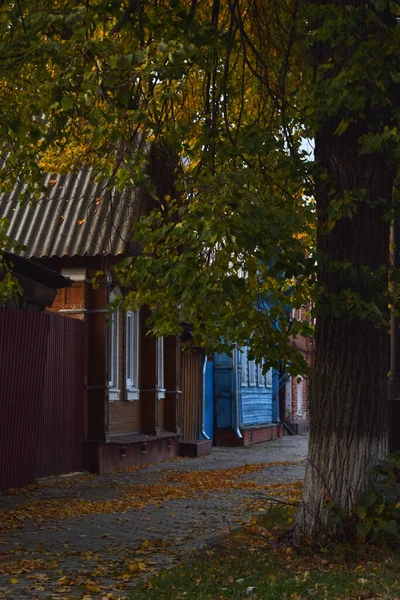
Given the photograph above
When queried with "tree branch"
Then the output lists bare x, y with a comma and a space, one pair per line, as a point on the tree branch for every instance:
132, 7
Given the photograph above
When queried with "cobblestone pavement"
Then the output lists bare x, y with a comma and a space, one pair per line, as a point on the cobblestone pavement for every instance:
96, 536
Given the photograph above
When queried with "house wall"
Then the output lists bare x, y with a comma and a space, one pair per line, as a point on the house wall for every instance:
256, 406
296, 400
71, 298
123, 415
191, 394
112, 419
297, 390
259, 393
258, 403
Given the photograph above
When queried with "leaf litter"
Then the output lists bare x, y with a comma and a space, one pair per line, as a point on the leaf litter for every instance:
110, 575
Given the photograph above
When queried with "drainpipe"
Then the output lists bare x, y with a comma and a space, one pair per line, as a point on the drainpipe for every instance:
203, 402
236, 381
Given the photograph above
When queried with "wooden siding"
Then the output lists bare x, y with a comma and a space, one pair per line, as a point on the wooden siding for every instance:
191, 395
124, 417
160, 415
256, 405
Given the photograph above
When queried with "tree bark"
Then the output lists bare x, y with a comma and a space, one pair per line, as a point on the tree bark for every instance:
348, 414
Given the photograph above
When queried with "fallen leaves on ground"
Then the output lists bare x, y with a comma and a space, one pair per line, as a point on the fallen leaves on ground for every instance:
184, 484
111, 573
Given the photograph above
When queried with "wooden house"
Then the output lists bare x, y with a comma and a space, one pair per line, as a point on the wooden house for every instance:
136, 410
244, 401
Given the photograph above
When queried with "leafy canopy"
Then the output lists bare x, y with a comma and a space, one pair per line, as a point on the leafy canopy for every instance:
199, 104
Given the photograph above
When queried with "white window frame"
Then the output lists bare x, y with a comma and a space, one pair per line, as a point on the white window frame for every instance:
113, 350
268, 378
132, 355
288, 396
299, 395
160, 369
260, 375
243, 365
252, 373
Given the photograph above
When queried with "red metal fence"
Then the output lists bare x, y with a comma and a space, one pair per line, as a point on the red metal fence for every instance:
41, 395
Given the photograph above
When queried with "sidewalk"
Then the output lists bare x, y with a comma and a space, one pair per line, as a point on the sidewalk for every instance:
92, 537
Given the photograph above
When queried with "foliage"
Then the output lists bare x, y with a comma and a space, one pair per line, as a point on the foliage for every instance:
231, 228
375, 517
9, 286
378, 506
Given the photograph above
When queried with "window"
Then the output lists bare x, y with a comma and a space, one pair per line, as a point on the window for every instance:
113, 341
160, 368
252, 372
243, 358
260, 375
268, 378
300, 396
132, 355
288, 396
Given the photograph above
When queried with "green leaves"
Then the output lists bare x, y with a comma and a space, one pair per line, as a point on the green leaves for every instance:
378, 506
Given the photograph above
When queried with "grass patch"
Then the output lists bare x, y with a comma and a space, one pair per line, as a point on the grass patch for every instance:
250, 564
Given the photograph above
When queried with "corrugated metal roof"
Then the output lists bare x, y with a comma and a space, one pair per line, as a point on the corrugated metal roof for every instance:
76, 217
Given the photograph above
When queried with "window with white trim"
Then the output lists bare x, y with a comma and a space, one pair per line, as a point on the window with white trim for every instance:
288, 396
260, 375
300, 396
160, 368
113, 342
252, 372
243, 358
132, 355
268, 378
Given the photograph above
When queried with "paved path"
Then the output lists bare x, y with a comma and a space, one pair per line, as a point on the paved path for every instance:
93, 537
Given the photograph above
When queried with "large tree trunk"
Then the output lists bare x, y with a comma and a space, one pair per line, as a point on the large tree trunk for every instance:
348, 415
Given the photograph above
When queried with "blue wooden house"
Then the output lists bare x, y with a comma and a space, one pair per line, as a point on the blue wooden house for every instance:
241, 403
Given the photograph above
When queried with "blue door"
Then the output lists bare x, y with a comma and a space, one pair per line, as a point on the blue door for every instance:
223, 388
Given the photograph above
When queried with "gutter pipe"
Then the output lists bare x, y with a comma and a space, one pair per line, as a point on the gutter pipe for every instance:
236, 395
203, 402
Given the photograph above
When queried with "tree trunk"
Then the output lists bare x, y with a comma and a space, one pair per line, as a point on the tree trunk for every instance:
348, 414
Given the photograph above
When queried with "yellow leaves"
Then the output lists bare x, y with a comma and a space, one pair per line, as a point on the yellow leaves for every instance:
134, 568
13, 581
93, 588
175, 485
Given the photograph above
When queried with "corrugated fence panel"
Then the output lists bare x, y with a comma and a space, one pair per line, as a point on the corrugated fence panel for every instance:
41, 396
60, 445
23, 346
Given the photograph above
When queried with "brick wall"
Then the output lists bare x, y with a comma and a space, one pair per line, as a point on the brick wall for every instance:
250, 436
